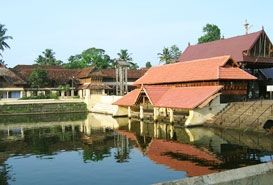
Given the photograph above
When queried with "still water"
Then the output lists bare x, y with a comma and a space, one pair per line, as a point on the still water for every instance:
97, 149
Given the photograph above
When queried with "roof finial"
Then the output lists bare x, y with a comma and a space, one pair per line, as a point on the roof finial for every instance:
247, 27
262, 27
189, 44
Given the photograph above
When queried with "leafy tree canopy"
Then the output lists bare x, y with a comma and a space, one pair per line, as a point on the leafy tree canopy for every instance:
211, 33
92, 56
3, 38
169, 55
148, 64
48, 58
124, 55
38, 78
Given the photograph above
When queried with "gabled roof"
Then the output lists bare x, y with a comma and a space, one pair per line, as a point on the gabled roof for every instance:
131, 73
233, 46
171, 97
129, 99
85, 72
180, 97
10, 77
55, 73
215, 68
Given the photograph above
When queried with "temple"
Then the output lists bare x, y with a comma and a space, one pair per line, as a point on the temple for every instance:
197, 89
253, 52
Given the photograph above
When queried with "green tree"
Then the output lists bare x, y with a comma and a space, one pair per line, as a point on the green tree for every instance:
48, 58
92, 56
3, 38
38, 78
76, 62
124, 55
96, 57
175, 52
211, 33
169, 55
148, 64
165, 56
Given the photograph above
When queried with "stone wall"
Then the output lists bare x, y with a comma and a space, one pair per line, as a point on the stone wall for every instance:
35, 107
261, 174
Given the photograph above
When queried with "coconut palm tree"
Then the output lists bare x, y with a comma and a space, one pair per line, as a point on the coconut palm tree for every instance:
124, 55
3, 38
165, 56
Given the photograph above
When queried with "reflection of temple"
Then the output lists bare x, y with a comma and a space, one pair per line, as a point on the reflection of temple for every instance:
197, 151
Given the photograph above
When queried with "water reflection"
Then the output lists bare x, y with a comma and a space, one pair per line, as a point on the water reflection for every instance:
196, 151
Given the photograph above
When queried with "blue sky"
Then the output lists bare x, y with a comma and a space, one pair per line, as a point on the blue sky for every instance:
143, 27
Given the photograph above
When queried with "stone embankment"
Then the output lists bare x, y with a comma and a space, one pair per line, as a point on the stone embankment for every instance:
261, 174
19, 107
250, 115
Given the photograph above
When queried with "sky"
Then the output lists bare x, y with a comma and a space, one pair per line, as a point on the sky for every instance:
144, 27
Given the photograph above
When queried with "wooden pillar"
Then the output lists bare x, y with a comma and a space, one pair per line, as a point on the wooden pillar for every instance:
80, 93
141, 127
171, 131
28, 93
87, 95
72, 92
171, 116
62, 93
141, 112
129, 124
21, 94
165, 112
129, 112
155, 113
7, 94
22, 132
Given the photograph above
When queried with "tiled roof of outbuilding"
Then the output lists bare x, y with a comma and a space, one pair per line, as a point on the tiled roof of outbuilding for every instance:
167, 97
215, 68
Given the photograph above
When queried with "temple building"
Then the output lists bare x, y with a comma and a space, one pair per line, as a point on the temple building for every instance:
197, 88
11, 85
253, 52
14, 82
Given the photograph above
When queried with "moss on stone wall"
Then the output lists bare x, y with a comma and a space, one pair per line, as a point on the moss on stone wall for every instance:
43, 108
43, 118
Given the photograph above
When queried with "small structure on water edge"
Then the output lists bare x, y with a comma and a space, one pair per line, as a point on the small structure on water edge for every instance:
193, 89
253, 52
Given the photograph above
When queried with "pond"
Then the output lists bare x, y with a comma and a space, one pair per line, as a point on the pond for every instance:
98, 149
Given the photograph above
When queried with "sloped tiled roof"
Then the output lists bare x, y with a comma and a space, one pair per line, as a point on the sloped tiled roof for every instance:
233, 46
131, 73
94, 86
195, 70
85, 72
171, 97
129, 99
158, 150
10, 76
181, 97
55, 73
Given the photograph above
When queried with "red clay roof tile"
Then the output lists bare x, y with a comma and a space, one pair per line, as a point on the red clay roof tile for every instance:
171, 97
233, 46
129, 99
181, 97
195, 70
